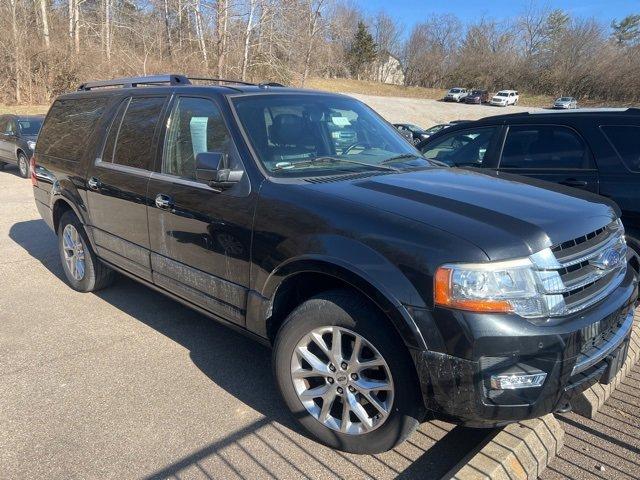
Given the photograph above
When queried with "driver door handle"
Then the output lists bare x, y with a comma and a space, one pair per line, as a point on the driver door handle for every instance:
164, 202
94, 184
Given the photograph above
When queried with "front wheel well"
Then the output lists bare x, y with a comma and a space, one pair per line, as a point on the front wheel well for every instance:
59, 209
298, 288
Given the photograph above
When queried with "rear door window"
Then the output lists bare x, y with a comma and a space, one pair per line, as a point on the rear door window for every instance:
625, 139
135, 136
544, 147
69, 126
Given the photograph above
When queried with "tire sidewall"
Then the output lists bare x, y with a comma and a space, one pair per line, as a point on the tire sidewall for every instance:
340, 309
87, 282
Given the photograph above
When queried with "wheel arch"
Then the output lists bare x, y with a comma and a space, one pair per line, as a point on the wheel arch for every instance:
303, 278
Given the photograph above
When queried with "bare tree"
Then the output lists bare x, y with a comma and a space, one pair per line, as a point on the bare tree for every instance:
222, 18
45, 23
314, 8
247, 38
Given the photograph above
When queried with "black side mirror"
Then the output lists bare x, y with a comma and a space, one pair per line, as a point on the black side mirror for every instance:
212, 167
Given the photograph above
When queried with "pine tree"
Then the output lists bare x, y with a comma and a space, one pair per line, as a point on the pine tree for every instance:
362, 52
627, 31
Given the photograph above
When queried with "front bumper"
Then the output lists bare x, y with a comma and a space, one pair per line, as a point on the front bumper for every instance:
455, 375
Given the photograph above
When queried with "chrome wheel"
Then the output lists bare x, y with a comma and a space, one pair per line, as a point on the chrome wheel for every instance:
342, 380
23, 165
73, 252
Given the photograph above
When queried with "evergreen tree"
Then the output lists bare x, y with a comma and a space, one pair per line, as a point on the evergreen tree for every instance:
627, 31
362, 52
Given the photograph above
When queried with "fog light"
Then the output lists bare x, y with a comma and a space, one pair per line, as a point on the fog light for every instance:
513, 382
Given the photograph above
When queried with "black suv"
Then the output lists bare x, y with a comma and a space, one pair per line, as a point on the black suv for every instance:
390, 286
18, 135
596, 150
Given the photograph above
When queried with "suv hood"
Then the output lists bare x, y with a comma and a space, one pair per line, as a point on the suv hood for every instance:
507, 216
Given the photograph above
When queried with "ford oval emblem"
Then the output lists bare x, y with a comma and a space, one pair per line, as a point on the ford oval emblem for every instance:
607, 259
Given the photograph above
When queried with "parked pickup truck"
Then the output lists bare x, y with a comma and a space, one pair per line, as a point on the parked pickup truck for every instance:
391, 287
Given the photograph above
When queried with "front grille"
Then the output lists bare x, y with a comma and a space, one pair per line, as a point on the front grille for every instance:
590, 266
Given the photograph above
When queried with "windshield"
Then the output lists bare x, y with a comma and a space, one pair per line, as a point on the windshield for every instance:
434, 129
502, 94
297, 135
30, 126
454, 90
565, 99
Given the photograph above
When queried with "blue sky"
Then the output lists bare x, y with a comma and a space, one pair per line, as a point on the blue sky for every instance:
410, 12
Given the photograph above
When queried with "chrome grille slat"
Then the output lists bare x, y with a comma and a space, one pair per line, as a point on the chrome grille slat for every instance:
584, 281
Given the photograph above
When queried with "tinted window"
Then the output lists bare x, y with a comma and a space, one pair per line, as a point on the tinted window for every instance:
29, 126
195, 126
112, 135
543, 147
134, 144
626, 141
10, 127
461, 148
68, 127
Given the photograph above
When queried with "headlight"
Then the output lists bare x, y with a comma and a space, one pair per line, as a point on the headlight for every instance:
500, 287
31, 144
530, 287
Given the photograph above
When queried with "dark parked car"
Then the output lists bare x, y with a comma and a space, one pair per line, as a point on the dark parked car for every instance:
390, 286
596, 150
416, 133
477, 97
18, 135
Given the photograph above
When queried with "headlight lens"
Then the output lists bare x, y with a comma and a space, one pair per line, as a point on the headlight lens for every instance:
504, 287
31, 144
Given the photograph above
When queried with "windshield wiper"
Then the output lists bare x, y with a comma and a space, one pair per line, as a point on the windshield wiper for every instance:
400, 157
321, 160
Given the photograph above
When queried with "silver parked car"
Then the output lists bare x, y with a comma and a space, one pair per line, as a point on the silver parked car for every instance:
565, 103
456, 94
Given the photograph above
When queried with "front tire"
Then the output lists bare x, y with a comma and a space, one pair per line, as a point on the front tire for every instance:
83, 270
23, 165
346, 375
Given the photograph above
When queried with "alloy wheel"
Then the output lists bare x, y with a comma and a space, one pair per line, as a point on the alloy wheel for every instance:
73, 252
342, 380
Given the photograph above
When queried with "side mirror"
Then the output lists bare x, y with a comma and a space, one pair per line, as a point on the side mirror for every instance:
212, 168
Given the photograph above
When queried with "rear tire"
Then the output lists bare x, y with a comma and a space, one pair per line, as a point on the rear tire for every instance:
353, 316
2, 164
23, 165
83, 270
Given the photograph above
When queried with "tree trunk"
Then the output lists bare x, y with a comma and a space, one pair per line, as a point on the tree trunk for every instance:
45, 23
70, 6
107, 29
200, 31
314, 14
247, 39
167, 28
221, 27
76, 25
17, 54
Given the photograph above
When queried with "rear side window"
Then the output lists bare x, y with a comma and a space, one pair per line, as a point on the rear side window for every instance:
544, 147
134, 133
626, 142
68, 127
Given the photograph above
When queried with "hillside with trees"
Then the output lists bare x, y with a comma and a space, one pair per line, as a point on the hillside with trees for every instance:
51, 46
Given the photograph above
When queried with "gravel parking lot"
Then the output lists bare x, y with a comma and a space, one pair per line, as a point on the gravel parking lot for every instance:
129, 384
426, 113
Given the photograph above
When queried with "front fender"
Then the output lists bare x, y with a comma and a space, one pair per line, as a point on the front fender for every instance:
362, 268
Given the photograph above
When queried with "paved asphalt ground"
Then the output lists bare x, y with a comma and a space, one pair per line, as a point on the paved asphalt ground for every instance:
129, 384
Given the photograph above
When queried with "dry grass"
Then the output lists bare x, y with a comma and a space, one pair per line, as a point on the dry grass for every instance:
347, 85
24, 109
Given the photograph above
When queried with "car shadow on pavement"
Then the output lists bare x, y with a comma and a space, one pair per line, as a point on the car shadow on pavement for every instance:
241, 367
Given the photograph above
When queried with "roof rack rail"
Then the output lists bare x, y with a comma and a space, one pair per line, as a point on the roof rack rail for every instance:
130, 82
221, 80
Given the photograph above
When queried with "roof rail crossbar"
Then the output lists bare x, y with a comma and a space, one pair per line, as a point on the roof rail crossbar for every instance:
130, 82
221, 80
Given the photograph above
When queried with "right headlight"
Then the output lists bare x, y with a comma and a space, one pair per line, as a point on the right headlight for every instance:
500, 287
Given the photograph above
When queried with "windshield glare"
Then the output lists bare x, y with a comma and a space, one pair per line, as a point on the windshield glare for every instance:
455, 90
30, 127
289, 132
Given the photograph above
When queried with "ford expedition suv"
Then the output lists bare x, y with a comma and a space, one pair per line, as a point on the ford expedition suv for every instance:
391, 287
